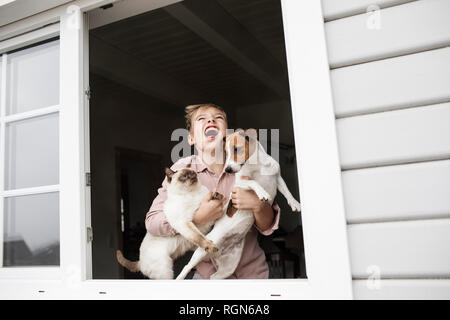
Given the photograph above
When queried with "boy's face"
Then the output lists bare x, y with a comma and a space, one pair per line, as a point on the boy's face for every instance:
208, 127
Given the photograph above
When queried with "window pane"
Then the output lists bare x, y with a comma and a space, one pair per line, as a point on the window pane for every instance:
33, 78
31, 230
32, 152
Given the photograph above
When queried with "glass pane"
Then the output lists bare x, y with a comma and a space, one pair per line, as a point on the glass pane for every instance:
32, 152
31, 230
33, 78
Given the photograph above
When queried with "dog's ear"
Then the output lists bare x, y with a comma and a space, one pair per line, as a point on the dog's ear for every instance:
252, 134
169, 174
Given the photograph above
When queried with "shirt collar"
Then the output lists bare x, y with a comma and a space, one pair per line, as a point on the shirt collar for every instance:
198, 164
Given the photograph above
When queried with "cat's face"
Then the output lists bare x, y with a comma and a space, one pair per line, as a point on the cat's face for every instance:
185, 178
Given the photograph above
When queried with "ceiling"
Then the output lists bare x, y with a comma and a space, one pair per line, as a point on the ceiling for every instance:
229, 52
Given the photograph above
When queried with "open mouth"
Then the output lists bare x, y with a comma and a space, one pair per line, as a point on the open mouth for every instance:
211, 131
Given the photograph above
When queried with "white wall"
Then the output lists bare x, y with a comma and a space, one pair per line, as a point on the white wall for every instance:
390, 73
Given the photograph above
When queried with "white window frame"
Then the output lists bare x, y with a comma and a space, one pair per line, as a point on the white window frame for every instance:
323, 215
42, 272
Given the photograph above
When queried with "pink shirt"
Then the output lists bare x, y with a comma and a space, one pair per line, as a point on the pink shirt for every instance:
253, 263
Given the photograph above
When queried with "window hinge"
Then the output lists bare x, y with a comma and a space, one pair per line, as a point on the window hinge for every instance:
89, 234
87, 92
88, 179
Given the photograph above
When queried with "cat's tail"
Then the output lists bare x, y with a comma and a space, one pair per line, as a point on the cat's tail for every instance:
133, 266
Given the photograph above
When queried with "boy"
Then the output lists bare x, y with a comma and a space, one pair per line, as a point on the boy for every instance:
207, 125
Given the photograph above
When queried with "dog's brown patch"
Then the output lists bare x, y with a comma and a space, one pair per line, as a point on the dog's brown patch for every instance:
230, 209
242, 144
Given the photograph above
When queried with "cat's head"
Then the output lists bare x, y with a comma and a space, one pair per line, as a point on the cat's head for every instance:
185, 178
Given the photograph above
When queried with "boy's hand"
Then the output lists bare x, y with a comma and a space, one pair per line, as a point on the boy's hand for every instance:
248, 200
209, 210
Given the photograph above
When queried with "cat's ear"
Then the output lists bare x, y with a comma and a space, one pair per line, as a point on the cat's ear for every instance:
169, 174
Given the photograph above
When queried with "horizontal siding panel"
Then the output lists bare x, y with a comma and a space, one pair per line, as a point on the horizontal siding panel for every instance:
335, 9
407, 81
416, 26
406, 249
413, 191
394, 137
411, 289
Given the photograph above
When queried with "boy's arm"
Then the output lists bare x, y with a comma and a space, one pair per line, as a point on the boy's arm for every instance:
155, 220
261, 219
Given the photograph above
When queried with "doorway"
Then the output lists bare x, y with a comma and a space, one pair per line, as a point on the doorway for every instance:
137, 178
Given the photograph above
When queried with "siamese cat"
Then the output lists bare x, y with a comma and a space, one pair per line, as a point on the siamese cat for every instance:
156, 254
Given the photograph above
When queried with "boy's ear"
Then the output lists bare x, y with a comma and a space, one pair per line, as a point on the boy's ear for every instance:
169, 174
190, 139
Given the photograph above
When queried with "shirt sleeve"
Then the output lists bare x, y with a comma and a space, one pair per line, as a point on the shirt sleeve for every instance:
155, 220
274, 225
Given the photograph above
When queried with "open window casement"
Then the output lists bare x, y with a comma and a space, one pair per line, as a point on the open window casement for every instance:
323, 218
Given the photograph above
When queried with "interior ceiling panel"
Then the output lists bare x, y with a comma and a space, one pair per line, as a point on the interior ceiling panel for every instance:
160, 40
263, 18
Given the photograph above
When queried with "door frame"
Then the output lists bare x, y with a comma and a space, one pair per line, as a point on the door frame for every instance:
324, 224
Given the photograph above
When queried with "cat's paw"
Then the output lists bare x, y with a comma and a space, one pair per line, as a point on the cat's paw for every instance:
216, 196
211, 247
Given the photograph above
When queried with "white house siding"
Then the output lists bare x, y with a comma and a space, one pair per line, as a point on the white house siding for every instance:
391, 90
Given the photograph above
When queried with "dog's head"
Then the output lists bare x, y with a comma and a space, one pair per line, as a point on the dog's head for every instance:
239, 147
185, 178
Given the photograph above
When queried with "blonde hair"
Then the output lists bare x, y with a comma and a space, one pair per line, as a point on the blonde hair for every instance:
193, 108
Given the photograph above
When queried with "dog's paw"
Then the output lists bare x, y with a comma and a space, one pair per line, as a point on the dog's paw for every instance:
295, 206
263, 196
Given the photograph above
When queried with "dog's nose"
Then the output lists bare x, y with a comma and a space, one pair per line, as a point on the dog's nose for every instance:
228, 170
